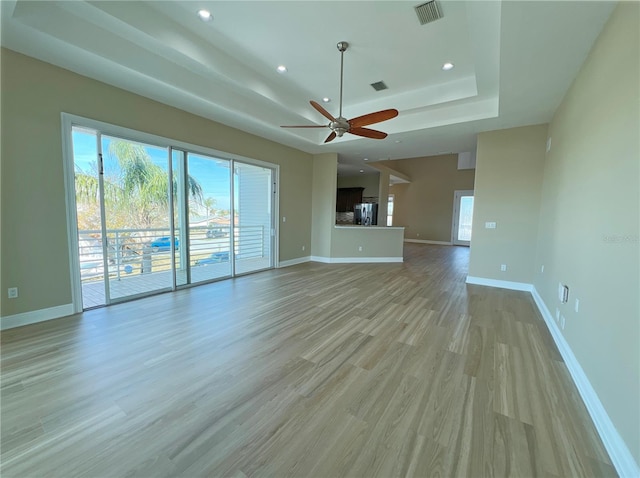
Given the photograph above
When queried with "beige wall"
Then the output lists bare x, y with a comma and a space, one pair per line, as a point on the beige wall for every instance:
370, 183
425, 206
325, 167
589, 222
507, 191
34, 236
375, 242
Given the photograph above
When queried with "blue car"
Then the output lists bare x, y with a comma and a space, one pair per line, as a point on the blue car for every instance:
164, 244
214, 258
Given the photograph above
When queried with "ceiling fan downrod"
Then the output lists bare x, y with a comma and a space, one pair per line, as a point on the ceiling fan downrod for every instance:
342, 47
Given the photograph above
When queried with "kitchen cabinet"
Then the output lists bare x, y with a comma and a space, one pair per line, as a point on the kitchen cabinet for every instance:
346, 198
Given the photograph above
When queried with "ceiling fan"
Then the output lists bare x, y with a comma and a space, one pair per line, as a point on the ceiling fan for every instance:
341, 125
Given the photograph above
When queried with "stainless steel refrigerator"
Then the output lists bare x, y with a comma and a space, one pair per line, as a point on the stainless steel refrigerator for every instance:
365, 214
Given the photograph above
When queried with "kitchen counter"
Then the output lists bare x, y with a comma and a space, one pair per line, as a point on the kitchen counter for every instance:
350, 226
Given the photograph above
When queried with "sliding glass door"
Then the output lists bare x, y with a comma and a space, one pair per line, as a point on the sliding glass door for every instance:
153, 217
253, 216
123, 205
210, 221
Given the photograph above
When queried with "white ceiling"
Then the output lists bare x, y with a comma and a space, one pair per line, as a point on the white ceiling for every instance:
514, 61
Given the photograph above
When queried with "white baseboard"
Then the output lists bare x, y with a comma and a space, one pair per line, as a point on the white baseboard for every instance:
355, 260
424, 241
502, 284
26, 318
293, 262
326, 260
619, 453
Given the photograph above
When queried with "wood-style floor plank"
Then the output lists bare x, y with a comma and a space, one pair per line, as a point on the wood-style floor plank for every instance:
315, 370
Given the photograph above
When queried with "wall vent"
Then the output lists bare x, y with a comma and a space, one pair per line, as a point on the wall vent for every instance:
379, 86
428, 12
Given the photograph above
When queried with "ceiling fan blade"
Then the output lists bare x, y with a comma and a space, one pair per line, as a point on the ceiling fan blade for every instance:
368, 133
372, 118
322, 111
315, 126
331, 137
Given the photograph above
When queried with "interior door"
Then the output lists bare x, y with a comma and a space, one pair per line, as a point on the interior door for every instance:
462, 217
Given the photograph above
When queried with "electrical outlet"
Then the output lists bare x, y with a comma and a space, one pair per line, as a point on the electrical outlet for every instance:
489, 225
562, 322
303, 247
503, 267
557, 315
577, 306
284, 219
359, 248
12, 292
542, 269
417, 234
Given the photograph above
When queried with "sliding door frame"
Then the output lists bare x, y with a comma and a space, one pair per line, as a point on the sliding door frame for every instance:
68, 121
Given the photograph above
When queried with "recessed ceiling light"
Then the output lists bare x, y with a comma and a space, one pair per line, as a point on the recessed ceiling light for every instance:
205, 15
365, 159
447, 66
362, 170
326, 99
281, 69
398, 141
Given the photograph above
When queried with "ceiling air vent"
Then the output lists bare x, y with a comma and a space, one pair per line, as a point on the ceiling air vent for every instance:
428, 12
379, 86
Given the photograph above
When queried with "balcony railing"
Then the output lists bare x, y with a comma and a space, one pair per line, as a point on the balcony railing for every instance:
143, 251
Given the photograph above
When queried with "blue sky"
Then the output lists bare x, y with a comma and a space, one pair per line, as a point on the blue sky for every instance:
211, 173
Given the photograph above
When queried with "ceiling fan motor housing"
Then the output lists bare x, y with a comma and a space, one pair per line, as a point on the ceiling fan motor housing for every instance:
340, 126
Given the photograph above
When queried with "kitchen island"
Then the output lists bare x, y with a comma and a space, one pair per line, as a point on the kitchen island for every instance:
353, 243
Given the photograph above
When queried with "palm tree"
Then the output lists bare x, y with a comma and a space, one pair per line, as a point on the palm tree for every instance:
210, 204
136, 189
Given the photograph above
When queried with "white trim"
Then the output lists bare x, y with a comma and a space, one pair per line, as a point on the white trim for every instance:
355, 260
275, 220
423, 241
502, 284
71, 211
35, 316
326, 260
619, 453
293, 262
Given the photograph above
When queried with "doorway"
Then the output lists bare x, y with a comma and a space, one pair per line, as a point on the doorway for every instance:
462, 217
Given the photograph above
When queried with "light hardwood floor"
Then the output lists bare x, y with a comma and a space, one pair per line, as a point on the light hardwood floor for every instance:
316, 370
